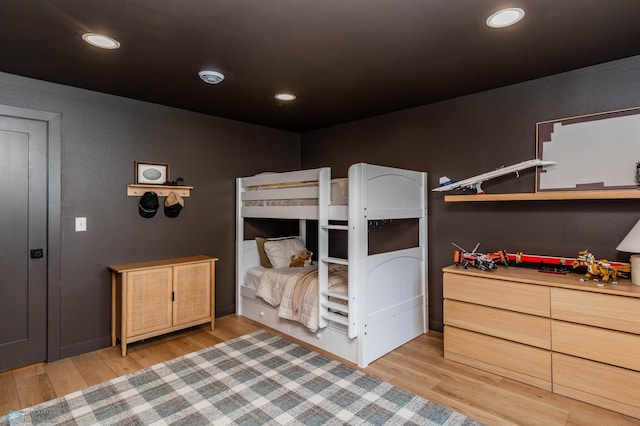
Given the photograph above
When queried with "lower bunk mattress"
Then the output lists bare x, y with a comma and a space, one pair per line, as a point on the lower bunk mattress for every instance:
392, 317
333, 338
294, 291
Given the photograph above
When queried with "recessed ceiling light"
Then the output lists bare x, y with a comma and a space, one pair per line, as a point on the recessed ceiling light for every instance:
285, 96
101, 41
505, 17
211, 77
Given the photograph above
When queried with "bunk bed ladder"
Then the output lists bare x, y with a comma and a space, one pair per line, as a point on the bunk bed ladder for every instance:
345, 313
331, 310
358, 249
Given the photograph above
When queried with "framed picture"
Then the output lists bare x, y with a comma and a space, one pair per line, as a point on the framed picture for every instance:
151, 173
592, 152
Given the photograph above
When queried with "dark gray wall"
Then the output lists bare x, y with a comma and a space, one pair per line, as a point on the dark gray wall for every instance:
102, 136
473, 134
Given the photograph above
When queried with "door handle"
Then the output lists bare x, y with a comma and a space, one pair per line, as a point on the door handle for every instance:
37, 253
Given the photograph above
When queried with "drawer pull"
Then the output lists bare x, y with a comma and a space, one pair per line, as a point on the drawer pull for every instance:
261, 313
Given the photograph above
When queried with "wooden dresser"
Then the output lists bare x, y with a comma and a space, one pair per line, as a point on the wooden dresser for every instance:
547, 330
157, 297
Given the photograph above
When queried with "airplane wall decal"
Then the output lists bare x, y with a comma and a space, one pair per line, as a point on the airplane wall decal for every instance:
475, 182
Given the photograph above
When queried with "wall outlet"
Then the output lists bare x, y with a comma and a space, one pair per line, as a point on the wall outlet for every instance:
81, 224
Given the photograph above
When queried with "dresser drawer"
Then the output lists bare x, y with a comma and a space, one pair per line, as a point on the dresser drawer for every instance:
522, 328
509, 359
599, 344
526, 298
602, 310
264, 314
599, 384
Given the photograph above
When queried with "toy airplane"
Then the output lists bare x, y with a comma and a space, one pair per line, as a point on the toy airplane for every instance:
475, 182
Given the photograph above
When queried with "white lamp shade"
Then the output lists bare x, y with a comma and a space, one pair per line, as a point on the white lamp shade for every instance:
631, 243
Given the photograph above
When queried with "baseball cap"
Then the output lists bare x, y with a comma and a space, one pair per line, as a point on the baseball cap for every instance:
148, 205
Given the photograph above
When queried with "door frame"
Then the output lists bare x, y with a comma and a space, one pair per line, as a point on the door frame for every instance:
54, 189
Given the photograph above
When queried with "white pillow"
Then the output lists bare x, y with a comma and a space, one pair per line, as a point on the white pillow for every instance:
279, 252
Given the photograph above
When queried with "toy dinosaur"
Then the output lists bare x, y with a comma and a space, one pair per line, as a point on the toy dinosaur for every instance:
599, 269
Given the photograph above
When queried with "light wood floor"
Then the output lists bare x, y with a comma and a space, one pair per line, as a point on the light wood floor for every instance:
417, 367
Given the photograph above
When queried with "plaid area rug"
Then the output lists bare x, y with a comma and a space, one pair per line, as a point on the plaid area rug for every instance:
255, 379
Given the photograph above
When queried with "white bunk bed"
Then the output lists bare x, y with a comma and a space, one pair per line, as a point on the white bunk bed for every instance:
386, 302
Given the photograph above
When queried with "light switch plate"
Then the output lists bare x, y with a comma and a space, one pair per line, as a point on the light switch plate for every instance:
81, 224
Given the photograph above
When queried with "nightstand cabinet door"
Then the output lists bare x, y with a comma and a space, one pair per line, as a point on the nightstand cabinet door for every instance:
149, 301
192, 288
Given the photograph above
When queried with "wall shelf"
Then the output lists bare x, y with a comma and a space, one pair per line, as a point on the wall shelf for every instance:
137, 190
548, 196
